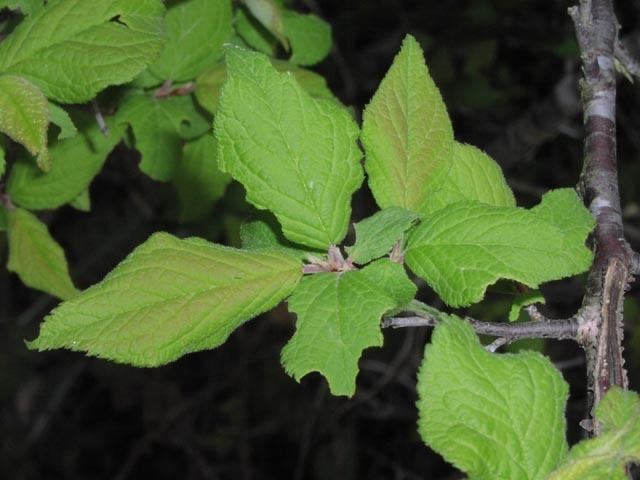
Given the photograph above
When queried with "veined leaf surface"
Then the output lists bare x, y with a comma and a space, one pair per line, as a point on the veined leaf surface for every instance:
295, 155
170, 297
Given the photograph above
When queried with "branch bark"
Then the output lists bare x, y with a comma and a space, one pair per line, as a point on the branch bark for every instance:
597, 34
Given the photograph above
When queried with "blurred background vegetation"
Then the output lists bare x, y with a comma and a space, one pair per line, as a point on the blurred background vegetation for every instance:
508, 71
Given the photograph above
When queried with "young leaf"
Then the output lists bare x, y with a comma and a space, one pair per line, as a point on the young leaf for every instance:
196, 31
463, 249
159, 126
170, 297
198, 181
524, 300
473, 176
268, 14
492, 416
75, 162
208, 87
406, 133
295, 155
253, 33
338, 317
59, 117
310, 37
619, 444
25, 116
93, 45
36, 257
376, 235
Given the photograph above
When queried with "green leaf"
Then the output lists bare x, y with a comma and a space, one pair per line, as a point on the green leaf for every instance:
310, 37
82, 202
406, 134
619, 444
160, 125
58, 116
473, 176
72, 49
3, 218
463, 249
25, 116
492, 416
376, 235
268, 14
524, 300
196, 31
254, 33
170, 297
338, 317
75, 162
209, 84
36, 257
295, 155
198, 181
260, 235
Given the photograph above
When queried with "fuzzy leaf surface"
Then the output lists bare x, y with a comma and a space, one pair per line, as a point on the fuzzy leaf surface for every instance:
493, 416
406, 133
170, 297
295, 155
473, 175
376, 235
36, 257
338, 317
463, 249
196, 31
25, 116
198, 180
75, 162
159, 126
619, 444
309, 35
72, 49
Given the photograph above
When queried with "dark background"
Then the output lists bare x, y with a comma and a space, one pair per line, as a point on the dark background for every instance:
508, 72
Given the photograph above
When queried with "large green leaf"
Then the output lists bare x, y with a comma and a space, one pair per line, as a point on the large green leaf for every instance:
473, 176
170, 297
619, 444
492, 416
75, 162
376, 235
260, 235
309, 35
160, 125
295, 155
464, 248
406, 133
338, 317
72, 49
36, 257
25, 116
209, 84
196, 31
198, 181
